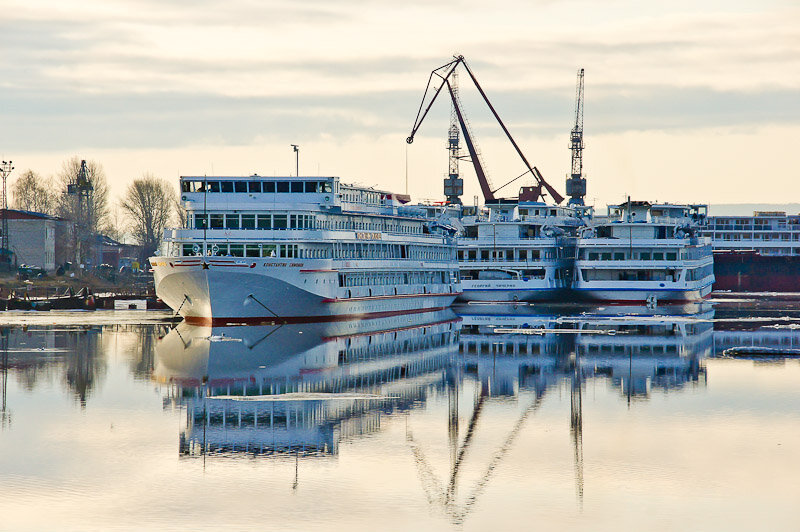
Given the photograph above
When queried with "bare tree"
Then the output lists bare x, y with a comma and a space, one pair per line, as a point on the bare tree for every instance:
31, 193
115, 228
149, 203
181, 216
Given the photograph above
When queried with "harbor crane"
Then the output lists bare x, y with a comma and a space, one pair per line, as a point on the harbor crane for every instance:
576, 183
445, 73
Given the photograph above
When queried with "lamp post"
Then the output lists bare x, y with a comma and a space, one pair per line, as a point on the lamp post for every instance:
296, 149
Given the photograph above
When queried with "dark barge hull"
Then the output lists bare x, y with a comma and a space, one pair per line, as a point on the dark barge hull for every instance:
749, 271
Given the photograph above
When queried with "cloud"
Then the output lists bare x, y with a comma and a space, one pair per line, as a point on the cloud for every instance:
53, 119
148, 75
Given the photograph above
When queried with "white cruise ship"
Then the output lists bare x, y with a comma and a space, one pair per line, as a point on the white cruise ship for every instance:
645, 253
518, 251
288, 249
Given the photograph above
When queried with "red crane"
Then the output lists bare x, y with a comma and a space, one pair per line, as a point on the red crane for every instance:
444, 72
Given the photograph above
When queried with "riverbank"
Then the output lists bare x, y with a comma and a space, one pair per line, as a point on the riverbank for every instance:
12, 286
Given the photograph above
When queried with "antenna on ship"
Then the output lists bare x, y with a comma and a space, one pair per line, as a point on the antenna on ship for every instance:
296, 150
205, 211
576, 183
406, 169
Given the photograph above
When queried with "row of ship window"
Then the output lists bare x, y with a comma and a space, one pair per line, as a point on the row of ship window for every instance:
254, 221
500, 275
363, 250
379, 350
257, 187
360, 196
689, 253
507, 254
740, 222
668, 275
343, 250
696, 274
630, 275
755, 227
771, 251
474, 348
622, 255
279, 187
236, 221
395, 278
536, 212
757, 236
621, 349
252, 250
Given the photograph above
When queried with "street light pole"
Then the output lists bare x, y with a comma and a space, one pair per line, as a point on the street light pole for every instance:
5, 170
296, 149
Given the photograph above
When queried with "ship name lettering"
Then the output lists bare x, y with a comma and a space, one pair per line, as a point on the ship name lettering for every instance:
369, 236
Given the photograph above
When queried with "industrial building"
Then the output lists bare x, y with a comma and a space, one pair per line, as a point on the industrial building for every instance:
33, 238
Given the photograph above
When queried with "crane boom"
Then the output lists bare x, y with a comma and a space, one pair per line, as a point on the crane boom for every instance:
558, 198
486, 188
488, 193
418, 121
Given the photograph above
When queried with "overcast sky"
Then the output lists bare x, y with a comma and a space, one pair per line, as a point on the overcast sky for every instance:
686, 100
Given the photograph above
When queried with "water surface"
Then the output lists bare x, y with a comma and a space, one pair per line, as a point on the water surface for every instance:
490, 417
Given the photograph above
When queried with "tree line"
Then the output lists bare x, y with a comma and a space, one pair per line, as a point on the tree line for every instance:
148, 206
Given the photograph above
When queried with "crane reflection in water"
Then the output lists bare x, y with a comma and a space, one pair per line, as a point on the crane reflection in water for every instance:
299, 391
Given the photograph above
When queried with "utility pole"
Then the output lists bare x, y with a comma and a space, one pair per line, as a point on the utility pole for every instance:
5, 415
5, 170
296, 149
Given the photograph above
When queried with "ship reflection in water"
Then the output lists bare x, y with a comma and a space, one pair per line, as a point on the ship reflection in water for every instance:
462, 417
301, 388
634, 347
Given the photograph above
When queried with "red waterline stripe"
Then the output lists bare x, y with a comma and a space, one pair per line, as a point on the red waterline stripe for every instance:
272, 320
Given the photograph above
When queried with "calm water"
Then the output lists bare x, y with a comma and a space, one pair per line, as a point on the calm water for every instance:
489, 419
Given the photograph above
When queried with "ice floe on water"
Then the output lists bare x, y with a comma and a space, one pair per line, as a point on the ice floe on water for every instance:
83, 317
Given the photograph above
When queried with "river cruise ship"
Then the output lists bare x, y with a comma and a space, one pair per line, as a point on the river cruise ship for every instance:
645, 252
759, 253
518, 251
287, 249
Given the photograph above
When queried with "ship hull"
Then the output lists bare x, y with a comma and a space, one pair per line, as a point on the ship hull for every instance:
509, 291
643, 295
749, 271
252, 292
